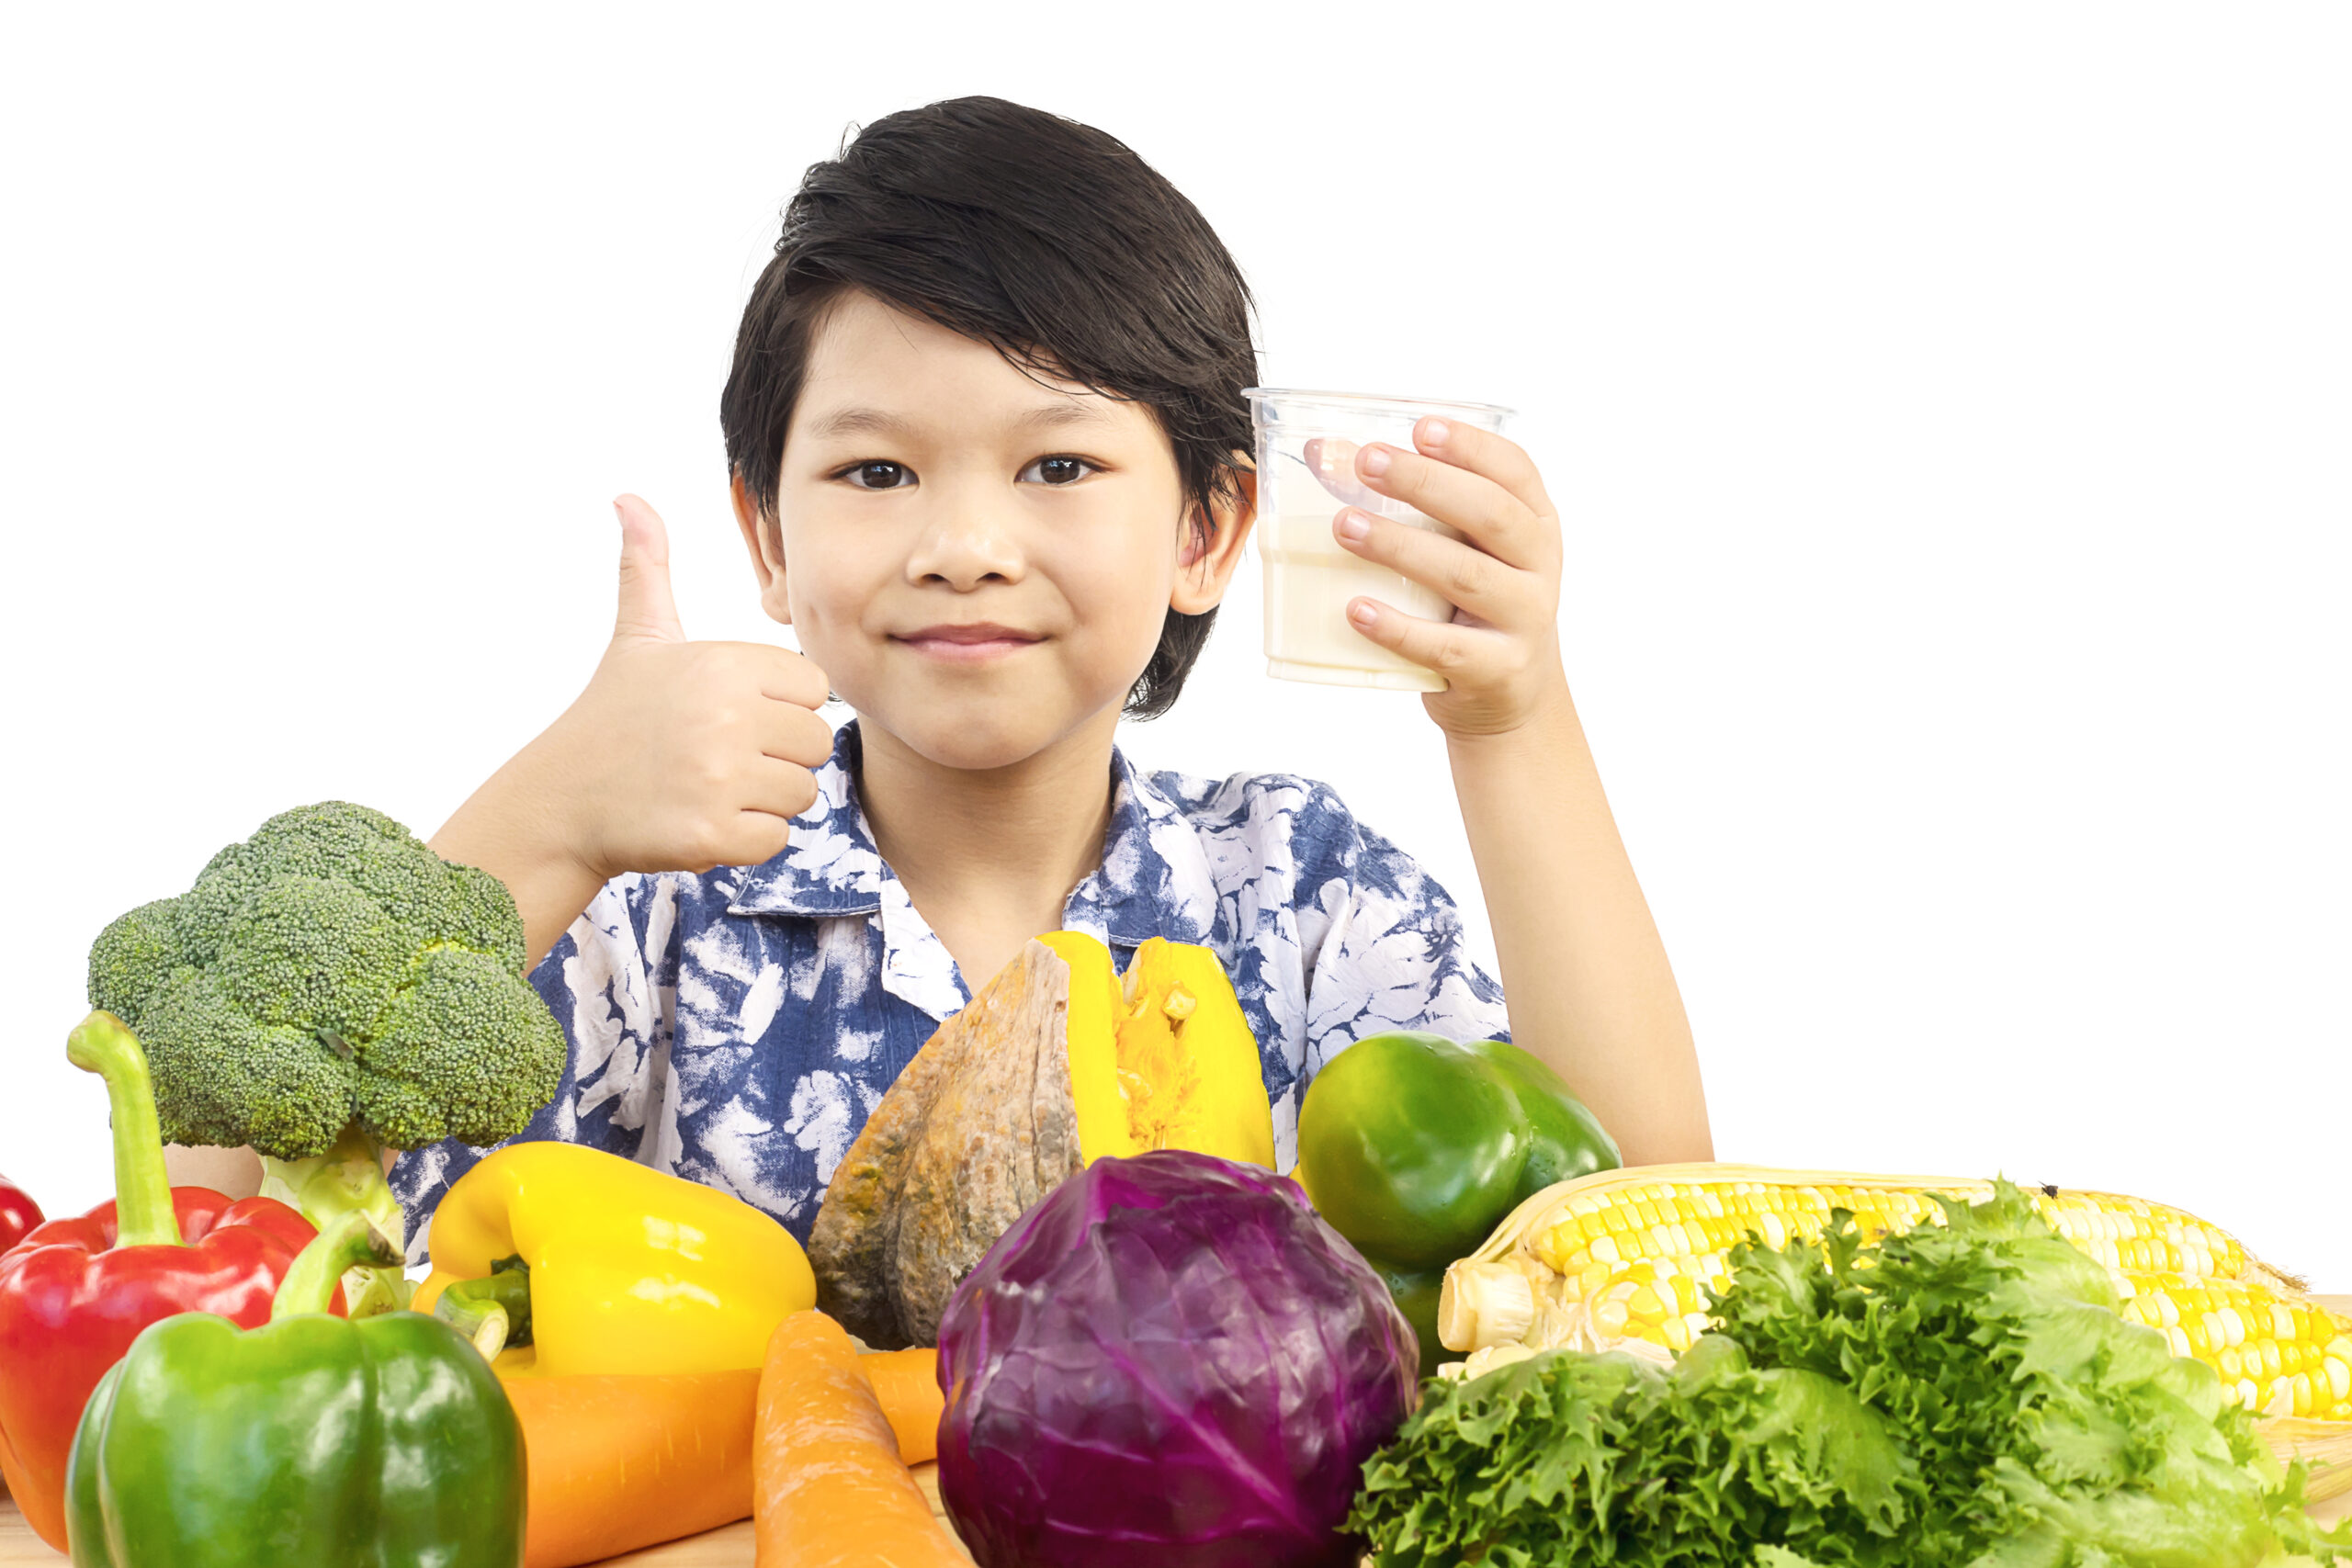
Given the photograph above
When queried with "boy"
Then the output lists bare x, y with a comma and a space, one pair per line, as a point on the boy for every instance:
990, 461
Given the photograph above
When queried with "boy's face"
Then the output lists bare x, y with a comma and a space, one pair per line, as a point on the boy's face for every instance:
980, 564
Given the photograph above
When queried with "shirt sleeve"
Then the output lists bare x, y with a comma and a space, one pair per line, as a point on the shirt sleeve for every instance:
611, 983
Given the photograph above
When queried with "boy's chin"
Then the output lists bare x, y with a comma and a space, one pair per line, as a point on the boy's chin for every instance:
978, 737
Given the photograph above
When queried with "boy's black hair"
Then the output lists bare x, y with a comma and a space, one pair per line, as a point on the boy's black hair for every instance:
1045, 238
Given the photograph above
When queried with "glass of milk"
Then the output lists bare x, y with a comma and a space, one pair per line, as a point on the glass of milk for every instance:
1307, 454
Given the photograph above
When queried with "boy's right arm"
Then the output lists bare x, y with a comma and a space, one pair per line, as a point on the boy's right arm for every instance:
679, 756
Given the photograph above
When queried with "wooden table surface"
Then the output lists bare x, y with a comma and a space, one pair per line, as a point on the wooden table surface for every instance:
732, 1547
729, 1547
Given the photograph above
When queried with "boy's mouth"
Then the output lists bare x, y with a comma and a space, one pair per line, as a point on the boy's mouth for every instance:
966, 644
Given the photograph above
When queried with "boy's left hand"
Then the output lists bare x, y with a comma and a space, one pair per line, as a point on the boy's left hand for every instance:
1500, 653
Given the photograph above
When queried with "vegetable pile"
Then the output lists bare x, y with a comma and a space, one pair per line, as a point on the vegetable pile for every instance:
327, 987
1171, 1359
1964, 1393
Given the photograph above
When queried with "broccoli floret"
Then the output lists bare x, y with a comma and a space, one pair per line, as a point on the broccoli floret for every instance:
463, 1052
224, 1077
329, 987
317, 955
133, 957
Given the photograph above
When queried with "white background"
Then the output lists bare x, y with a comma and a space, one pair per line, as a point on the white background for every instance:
1947, 408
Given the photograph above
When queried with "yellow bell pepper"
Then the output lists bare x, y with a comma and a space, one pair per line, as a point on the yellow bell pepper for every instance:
603, 1264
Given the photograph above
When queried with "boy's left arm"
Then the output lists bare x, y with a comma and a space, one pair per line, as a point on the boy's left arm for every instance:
1583, 971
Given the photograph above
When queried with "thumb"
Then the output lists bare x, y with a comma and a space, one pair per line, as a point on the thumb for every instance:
647, 609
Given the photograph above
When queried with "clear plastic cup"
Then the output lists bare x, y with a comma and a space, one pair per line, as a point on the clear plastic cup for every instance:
1307, 453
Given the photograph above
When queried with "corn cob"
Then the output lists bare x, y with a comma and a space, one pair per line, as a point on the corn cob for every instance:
1618, 1260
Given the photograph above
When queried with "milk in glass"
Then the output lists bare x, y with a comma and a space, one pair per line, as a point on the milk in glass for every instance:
1306, 451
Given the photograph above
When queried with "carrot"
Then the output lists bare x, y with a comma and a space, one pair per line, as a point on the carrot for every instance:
615, 1463
829, 1489
905, 1382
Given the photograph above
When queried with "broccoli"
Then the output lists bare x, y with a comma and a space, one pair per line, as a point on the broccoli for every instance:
328, 988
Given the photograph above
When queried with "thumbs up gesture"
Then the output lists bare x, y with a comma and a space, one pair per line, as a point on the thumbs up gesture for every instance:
680, 755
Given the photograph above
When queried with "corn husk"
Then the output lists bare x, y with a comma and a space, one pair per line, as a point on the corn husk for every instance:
2324, 1446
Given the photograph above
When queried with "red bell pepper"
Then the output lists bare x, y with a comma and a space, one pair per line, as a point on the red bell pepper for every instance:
18, 1213
75, 1293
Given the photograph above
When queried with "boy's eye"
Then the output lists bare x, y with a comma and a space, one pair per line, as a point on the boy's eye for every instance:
879, 475
1058, 470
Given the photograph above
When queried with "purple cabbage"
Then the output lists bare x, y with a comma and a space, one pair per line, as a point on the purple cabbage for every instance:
1169, 1359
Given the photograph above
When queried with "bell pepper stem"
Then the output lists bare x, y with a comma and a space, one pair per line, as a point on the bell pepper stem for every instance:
103, 1043
494, 1310
354, 1240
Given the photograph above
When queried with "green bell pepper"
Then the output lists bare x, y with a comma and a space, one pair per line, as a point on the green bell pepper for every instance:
372, 1444
1414, 1147
1415, 1292
1411, 1147
1565, 1140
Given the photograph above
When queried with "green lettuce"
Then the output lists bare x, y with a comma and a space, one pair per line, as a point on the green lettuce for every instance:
1966, 1394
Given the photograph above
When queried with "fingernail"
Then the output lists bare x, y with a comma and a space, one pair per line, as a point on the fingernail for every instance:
1362, 614
1375, 461
1353, 527
1434, 431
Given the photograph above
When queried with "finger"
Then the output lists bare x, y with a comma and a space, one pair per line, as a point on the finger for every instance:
1465, 577
1480, 507
779, 789
789, 677
647, 609
1332, 461
1497, 457
1459, 653
795, 735
753, 838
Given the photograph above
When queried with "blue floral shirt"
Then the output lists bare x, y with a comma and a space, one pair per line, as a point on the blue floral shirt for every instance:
736, 1027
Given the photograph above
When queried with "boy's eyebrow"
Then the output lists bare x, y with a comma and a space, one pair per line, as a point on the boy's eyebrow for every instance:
880, 422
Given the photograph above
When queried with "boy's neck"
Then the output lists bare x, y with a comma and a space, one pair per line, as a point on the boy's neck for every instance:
1010, 842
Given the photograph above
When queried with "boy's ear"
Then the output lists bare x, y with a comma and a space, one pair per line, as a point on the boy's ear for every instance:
765, 542
1205, 559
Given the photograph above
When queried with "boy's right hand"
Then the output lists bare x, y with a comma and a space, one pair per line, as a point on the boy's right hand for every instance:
681, 756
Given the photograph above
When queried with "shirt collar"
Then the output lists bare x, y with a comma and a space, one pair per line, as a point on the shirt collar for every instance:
1154, 879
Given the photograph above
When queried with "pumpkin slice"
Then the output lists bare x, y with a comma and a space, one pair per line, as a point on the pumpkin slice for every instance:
978, 1127
1057, 1062
1186, 1065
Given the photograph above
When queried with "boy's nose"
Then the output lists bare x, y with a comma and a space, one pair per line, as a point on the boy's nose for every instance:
966, 545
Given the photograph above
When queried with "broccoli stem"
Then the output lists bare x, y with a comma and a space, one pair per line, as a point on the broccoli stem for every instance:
354, 1241
347, 1178
103, 1043
494, 1312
